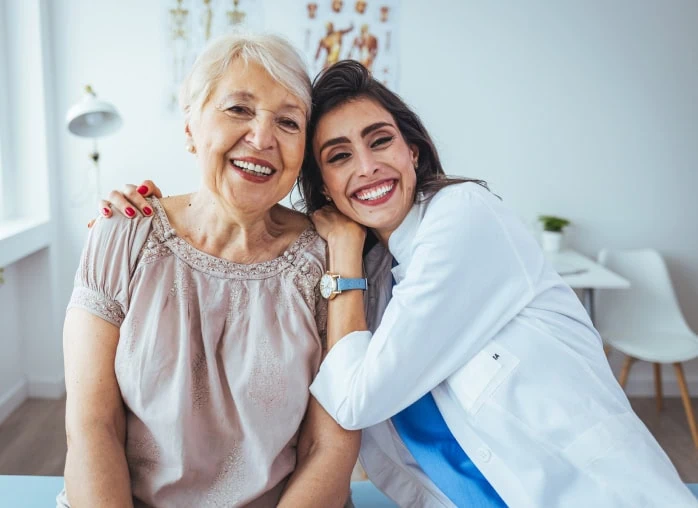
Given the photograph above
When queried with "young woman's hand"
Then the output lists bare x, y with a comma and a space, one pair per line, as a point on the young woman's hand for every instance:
345, 240
131, 200
335, 227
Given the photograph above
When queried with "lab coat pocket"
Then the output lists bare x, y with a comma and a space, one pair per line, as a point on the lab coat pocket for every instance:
478, 379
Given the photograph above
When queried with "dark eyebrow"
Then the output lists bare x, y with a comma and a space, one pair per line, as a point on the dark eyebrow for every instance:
332, 142
364, 132
374, 126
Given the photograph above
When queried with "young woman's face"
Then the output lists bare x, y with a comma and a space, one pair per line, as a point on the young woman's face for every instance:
367, 168
249, 138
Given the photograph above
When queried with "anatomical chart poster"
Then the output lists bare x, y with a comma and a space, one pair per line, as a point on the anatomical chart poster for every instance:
362, 30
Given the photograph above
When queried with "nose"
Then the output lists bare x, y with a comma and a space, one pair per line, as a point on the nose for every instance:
367, 162
261, 133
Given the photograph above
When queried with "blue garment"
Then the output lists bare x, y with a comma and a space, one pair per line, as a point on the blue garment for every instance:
426, 435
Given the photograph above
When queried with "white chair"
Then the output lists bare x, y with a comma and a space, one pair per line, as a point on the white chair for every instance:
645, 322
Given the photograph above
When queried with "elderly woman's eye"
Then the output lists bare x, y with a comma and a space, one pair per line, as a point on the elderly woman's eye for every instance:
240, 110
289, 124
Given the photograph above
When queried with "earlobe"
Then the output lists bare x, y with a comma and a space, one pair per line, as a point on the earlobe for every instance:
189, 144
326, 194
415, 155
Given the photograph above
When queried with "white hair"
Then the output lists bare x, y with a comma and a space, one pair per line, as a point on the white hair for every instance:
276, 55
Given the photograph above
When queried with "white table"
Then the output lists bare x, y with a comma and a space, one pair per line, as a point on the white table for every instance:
580, 272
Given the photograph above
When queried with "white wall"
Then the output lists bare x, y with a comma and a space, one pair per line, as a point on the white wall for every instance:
584, 109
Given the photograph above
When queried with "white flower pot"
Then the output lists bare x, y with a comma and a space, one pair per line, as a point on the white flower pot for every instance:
551, 241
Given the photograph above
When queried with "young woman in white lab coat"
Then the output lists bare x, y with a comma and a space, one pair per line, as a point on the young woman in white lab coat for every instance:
473, 369
482, 381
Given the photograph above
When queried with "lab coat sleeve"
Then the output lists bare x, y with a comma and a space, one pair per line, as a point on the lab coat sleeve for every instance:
469, 276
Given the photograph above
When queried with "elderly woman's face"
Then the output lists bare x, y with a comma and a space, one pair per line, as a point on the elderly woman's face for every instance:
249, 138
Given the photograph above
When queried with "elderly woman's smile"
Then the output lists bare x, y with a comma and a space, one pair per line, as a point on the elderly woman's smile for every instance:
256, 170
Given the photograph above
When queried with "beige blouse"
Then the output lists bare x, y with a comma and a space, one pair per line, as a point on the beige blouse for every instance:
214, 359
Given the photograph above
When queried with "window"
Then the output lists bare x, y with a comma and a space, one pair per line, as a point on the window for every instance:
25, 226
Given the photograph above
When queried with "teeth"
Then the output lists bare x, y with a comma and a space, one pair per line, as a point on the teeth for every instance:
254, 169
376, 192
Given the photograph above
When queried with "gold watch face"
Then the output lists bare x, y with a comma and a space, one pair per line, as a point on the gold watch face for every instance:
328, 285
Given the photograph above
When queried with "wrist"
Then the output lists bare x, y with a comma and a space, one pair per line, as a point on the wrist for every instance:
350, 239
345, 262
345, 256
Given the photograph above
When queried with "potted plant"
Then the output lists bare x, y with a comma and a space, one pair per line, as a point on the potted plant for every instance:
551, 238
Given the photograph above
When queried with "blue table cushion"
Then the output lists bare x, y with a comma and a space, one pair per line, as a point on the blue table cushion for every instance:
41, 492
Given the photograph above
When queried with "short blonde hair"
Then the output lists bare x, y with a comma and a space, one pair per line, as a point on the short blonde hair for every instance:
276, 55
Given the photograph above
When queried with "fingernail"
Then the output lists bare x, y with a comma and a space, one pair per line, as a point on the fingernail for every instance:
147, 210
105, 211
129, 211
142, 190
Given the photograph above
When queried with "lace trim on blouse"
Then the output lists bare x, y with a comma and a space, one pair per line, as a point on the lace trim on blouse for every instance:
164, 238
97, 304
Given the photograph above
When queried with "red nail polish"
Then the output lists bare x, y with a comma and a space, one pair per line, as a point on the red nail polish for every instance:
130, 212
142, 190
105, 211
147, 210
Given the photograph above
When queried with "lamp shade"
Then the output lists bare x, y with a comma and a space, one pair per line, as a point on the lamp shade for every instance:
92, 117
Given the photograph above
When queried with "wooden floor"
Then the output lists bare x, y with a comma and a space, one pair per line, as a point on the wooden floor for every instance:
32, 439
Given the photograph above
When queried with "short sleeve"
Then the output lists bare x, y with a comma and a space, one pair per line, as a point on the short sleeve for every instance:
106, 266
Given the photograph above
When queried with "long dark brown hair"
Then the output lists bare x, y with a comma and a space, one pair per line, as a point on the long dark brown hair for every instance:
348, 81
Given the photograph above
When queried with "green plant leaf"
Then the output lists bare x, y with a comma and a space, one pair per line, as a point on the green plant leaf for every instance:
554, 224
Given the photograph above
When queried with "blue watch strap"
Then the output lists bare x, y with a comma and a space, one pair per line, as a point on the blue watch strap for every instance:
347, 284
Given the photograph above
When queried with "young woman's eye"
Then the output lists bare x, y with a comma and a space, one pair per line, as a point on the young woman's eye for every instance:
338, 157
382, 141
289, 124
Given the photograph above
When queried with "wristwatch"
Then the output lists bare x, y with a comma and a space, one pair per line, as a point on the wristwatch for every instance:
332, 284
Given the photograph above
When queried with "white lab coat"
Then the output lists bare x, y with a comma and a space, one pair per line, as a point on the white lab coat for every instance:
480, 318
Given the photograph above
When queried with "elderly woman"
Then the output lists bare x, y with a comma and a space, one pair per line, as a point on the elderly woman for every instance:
195, 330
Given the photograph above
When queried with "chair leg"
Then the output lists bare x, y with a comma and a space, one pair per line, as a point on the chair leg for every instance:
658, 385
686, 398
629, 360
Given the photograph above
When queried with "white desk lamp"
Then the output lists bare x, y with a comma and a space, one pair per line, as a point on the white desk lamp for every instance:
93, 118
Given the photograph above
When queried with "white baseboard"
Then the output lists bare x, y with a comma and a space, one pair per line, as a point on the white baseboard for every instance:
47, 388
643, 386
12, 399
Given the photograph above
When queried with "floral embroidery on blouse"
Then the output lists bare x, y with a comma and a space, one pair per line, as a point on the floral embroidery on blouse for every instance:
91, 300
165, 236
